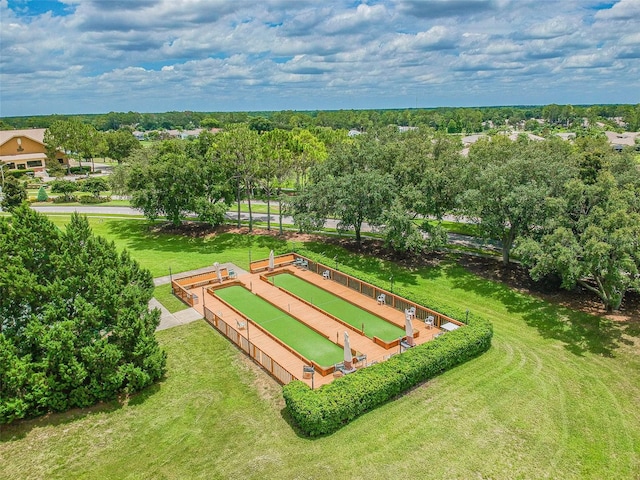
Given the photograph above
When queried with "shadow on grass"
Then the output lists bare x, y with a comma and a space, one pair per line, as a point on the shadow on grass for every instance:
145, 236
20, 428
580, 332
382, 270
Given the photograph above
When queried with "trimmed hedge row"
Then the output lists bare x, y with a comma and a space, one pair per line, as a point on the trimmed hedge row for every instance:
332, 406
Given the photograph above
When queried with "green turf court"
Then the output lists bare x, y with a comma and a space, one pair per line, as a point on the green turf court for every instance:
298, 336
374, 326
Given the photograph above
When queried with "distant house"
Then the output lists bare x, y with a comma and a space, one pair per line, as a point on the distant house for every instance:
620, 140
25, 150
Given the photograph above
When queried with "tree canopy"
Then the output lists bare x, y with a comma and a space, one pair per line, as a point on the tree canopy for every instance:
75, 327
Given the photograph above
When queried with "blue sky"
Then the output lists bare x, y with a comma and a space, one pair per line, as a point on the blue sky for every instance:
94, 56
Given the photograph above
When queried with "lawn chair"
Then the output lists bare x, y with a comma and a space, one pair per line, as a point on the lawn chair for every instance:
412, 312
304, 264
429, 322
382, 299
326, 275
297, 262
232, 273
241, 325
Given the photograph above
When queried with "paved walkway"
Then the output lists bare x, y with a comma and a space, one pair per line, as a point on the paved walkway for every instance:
188, 315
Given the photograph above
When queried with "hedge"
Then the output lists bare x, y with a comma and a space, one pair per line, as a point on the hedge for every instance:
80, 170
92, 199
332, 406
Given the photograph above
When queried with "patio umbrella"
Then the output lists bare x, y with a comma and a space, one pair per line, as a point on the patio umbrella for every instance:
348, 357
271, 261
408, 329
218, 274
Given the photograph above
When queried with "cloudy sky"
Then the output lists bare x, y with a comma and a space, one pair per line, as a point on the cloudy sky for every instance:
94, 56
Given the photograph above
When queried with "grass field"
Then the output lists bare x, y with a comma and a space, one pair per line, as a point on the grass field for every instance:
160, 251
338, 307
298, 336
557, 396
163, 294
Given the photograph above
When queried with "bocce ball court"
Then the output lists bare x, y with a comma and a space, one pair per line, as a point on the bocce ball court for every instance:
290, 315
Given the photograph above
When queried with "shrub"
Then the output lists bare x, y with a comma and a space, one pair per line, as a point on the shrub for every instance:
17, 173
80, 170
42, 195
65, 199
93, 199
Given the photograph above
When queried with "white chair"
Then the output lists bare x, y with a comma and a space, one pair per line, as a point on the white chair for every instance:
428, 322
326, 275
382, 299
412, 312
241, 325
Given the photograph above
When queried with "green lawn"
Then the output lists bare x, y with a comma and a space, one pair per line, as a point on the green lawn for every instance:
163, 294
557, 396
160, 251
298, 336
374, 326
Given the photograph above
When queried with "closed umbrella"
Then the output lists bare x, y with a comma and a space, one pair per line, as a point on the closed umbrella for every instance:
218, 274
271, 261
408, 329
348, 357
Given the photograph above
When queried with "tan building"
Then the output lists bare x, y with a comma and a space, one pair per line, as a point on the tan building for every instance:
25, 150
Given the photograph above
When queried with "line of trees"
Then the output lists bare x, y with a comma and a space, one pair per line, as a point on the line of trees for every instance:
570, 210
202, 177
445, 119
530, 195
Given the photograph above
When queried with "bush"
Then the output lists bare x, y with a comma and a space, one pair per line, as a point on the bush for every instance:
92, 199
80, 170
65, 199
328, 408
42, 195
17, 173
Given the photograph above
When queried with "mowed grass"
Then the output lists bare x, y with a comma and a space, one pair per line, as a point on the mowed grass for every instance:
557, 396
163, 294
297, 335
374, 326
160, 252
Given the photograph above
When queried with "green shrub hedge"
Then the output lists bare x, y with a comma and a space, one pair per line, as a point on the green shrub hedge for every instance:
80, 170
92, 199
17, 173
332, 406
63, 199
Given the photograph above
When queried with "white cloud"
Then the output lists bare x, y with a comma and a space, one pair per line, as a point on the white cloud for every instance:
155, 55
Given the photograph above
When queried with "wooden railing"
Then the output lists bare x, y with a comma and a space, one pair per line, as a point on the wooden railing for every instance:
182, 293
373, 291
382, 343
280, 373
202, 279
278, 261
319, 368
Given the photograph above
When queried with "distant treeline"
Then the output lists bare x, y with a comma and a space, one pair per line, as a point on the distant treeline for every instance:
451, 120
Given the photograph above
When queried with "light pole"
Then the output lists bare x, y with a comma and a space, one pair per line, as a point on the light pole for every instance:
309, 370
